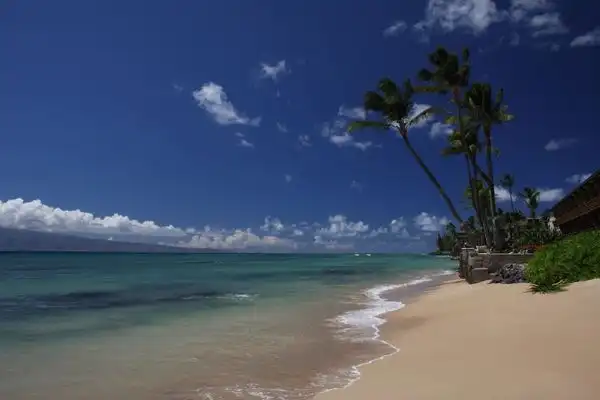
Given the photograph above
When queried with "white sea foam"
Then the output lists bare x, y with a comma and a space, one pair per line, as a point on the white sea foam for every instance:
371, 319
356, 325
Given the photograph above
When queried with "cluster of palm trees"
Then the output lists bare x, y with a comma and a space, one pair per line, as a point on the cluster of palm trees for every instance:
474, 112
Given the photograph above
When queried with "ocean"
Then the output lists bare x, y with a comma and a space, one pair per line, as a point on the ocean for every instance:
197, 326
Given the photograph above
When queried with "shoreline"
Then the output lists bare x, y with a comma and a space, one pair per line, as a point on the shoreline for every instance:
460, 341
378, 297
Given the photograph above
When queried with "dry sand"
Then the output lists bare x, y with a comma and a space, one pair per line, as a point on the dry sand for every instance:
488, 341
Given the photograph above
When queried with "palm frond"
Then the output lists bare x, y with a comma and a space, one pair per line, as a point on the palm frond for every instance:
354, 125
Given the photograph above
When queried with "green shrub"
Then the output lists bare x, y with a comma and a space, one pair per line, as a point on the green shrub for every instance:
571, 259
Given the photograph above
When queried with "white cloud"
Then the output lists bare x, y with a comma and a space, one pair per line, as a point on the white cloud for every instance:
35, 215
272, 224
377, 232
430, 223
398, 227
416, 110
440, 129
274, 71
345, 140
394, 29
177, 88
288, 178
522, 9
331, 244
591, 38
304, 141
298, 232
238, 239
577, 178
213, 99
557, 144
243, 142
352, 112
548, 195
339, 226
356, 186
547, 24
502, 195
281, 127
449, 15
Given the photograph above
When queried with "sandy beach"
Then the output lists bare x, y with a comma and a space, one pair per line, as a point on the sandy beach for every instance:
488, 341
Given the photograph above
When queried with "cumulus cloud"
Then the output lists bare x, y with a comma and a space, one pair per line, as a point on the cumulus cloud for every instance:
577, 178
338, 234
430, 223
272, 224
212, 98
34, 215
547, 24
557, 144
549, 195
439, 129
275, 71
238, 239
304, 141
502, 195
449, 15
591, 38
242, 140
523, 9
281, 127
396, 28
335, 132
339, 226
352, 112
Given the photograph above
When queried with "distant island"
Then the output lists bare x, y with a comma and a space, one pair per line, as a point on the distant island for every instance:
20, 240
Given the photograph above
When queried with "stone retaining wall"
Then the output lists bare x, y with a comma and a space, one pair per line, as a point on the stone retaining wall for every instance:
476, 267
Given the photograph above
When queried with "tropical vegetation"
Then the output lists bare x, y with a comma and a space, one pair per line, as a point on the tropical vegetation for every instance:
474, 111
570, 259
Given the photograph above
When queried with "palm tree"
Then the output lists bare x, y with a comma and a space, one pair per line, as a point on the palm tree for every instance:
395, 106
451, 74
486, 113
508, 183
532, 199
450, 229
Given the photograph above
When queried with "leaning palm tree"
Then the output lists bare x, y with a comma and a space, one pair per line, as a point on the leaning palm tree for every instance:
467, 145
508, 183
532, 199
486, 113
451, 74
395, 106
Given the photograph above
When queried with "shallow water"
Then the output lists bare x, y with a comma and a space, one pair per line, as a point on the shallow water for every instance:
222, 326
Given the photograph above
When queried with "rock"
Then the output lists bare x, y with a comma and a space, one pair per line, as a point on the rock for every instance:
510, 273
479, 275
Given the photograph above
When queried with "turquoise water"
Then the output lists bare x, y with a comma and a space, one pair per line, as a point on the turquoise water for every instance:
167, 326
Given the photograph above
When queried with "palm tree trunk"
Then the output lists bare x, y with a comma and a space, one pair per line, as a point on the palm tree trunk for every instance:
479, 210
490, 168
490, 171
512, 202
433, 179
474, 194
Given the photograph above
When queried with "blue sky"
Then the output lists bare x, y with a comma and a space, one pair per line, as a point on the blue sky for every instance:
227, 118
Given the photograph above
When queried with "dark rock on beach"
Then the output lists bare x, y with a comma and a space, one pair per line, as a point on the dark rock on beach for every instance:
510, 273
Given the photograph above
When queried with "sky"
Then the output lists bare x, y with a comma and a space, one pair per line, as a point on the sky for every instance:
222, 124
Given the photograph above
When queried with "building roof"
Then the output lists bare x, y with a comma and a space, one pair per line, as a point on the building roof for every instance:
594, 177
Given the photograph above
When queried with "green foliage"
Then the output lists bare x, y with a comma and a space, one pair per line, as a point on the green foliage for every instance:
571, 259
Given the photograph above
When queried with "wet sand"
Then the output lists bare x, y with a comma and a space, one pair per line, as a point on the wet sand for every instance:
488, 341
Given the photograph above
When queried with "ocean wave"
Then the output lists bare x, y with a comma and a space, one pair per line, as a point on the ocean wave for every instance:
364, 324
